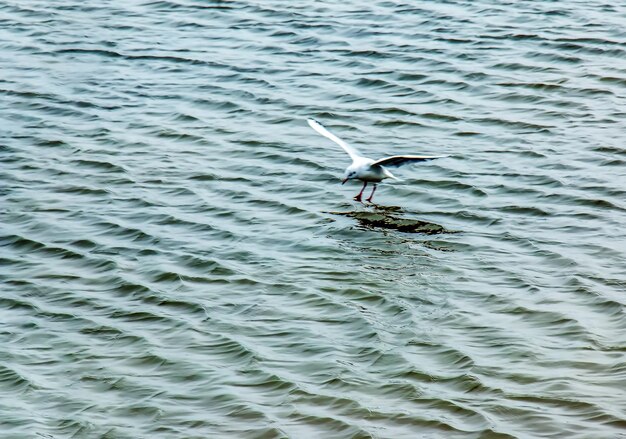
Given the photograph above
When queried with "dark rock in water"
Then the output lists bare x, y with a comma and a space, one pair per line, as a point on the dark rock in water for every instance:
381, 219
407, 225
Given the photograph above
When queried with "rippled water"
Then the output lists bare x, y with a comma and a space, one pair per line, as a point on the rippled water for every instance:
179, 260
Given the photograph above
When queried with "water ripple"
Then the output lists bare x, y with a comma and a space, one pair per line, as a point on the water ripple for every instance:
178, 258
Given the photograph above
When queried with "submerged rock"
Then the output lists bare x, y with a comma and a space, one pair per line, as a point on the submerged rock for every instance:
382, 219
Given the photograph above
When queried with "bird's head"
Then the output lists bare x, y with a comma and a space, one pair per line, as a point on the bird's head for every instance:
349, 175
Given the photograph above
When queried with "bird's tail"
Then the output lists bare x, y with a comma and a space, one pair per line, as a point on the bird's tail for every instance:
390, 175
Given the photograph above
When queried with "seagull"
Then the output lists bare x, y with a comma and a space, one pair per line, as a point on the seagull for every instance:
366, 169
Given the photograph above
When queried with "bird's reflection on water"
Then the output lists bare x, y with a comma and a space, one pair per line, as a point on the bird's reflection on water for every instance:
392, 218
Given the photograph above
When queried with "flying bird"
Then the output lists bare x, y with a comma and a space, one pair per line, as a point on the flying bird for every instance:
366, 169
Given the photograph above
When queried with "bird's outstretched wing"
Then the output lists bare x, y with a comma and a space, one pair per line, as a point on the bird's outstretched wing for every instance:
353, 153
399, 160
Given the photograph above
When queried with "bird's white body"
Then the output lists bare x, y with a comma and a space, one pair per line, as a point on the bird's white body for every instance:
366, 169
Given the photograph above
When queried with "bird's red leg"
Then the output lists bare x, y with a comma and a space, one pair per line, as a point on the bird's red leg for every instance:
372, 194
359, 195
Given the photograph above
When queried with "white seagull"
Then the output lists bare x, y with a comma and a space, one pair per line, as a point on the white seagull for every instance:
365, 169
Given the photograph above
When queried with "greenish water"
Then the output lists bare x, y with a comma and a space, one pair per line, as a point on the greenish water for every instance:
179, 259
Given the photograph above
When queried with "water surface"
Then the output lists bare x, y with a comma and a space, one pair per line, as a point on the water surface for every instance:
179, 260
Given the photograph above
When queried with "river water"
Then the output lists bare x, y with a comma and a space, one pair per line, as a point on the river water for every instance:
179, 259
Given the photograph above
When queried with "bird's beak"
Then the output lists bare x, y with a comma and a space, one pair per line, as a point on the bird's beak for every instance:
344, 181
